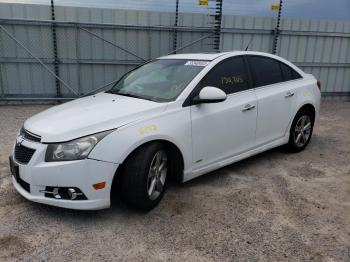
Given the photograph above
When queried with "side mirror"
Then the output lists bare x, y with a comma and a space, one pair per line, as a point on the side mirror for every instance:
210, 94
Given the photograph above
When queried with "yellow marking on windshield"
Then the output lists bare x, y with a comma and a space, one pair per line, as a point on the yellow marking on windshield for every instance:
177, 87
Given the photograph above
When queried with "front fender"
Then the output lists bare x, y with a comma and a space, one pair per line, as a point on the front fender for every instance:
174, 127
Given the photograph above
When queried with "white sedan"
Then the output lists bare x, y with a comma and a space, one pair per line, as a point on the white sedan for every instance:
176, 117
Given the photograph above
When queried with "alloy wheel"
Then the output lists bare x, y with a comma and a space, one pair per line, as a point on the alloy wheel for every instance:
157, 174
302, 130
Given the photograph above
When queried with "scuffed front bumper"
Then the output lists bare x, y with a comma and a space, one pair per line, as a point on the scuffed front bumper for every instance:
82, 174
78, 204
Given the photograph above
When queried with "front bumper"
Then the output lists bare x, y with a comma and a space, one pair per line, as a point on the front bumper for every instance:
82, 174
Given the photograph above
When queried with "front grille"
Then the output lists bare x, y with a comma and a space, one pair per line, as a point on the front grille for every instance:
30, 136
23, 154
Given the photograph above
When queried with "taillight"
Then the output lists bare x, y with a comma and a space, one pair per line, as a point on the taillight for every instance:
319, 84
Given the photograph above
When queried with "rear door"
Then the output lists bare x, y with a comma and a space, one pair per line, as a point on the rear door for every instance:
224, 129
274, 87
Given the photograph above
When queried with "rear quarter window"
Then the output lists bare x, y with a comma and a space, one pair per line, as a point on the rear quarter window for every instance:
289, 73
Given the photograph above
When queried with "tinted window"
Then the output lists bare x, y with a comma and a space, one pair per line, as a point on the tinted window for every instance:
266, 71
229, 75
288, 73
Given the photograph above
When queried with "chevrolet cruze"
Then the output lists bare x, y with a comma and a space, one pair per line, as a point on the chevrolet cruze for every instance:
176, 117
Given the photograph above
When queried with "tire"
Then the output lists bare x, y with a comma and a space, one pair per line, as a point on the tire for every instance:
298, 140
139, 176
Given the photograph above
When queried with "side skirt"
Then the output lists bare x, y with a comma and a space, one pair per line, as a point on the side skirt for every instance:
231, 160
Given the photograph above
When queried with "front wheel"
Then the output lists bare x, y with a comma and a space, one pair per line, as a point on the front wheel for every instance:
144, 176
301, 131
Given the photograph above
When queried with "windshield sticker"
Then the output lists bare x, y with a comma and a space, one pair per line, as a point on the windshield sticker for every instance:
177, 87
196, 63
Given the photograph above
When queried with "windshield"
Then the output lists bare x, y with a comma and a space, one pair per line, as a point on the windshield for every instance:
162, 80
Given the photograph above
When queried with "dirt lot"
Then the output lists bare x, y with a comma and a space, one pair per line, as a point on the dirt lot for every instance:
272, 207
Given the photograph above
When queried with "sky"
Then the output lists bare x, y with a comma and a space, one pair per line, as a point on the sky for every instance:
307, 9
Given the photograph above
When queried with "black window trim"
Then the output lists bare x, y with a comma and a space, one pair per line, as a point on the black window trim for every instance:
251, 71
293, 70
197, 88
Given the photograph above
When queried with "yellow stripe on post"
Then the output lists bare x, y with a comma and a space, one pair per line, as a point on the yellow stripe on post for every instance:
275, 7
203, 2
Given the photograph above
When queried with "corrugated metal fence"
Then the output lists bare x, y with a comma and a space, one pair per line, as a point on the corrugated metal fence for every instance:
87, 62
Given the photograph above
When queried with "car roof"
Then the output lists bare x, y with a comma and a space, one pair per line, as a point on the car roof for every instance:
195, 56
212, 56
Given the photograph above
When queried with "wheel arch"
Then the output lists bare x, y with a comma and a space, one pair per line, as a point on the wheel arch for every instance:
309, 107
171, 148
291, 145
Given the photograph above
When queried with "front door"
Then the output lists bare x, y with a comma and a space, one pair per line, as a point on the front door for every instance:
225, 129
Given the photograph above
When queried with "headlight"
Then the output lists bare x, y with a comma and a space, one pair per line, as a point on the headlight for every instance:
73, 150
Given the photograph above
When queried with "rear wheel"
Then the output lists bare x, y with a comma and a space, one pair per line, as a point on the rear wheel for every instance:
144, 176
301, 131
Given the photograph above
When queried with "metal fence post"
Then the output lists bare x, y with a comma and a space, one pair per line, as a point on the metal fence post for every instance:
175, 25
149, 42
2, 89
217, 25
277, 29
78, 55
55, 51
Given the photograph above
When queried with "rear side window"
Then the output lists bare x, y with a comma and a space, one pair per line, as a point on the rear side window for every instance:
288, 73
229, 75
266, 71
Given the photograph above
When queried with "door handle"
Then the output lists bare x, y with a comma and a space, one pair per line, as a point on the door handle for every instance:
289, 94
248, 107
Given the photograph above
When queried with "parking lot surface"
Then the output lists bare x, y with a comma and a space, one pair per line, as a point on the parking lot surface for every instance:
275, 206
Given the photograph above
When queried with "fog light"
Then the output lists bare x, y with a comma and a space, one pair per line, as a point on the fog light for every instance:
73, 194
65, 193
52, 192
55, 193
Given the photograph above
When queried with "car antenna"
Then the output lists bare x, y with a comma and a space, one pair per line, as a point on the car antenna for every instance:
251, 39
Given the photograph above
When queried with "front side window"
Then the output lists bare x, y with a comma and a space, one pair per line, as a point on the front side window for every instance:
230, 76
162, 80
266, 71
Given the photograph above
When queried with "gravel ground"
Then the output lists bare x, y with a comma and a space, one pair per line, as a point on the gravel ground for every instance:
272, 207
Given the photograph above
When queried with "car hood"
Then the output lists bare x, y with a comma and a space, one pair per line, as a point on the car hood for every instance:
89, 115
